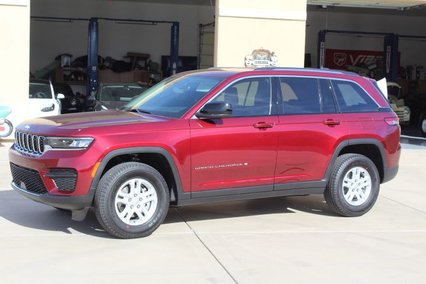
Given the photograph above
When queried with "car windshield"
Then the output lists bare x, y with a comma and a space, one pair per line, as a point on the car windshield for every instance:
63, 89
120, 93
174, 96
40, 91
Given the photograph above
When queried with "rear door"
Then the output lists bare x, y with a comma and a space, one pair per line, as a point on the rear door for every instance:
310, 128
237, 152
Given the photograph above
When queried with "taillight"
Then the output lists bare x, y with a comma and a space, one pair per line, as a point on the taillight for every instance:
392, 121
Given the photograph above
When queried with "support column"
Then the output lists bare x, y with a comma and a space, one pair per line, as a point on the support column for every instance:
92, 57
321, 48
174, 48
391, 57
243, 26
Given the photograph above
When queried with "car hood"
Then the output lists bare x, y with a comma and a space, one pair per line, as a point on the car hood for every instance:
91, 119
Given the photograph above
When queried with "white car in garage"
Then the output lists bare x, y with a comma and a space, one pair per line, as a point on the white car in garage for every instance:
42, 99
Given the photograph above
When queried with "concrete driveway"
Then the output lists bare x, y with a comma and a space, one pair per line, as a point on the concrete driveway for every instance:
281, 240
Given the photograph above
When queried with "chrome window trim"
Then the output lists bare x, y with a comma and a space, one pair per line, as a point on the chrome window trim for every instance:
235, 81
332, 78
293, 76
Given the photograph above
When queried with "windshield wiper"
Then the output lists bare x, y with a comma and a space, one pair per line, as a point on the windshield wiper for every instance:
143, 111
138, 110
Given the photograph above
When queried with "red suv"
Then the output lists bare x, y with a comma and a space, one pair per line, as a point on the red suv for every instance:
213, 135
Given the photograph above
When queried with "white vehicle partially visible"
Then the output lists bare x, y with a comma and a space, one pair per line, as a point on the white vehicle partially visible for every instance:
42, 99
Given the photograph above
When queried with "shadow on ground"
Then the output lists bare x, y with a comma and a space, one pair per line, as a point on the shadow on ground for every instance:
313, 204
23, 212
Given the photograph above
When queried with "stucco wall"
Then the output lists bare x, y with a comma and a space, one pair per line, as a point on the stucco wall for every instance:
243, 26
14, 57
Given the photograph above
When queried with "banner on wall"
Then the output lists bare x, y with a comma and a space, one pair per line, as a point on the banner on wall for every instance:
364, 62
341, 58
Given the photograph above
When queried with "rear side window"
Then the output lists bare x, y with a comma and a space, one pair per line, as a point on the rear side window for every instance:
306, 96
352, 98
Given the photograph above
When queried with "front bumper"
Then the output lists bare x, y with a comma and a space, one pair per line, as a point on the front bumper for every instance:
390, 173
80, 161
58, 201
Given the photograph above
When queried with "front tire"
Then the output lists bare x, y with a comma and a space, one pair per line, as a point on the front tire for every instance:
6, 128
132, 200
353, 186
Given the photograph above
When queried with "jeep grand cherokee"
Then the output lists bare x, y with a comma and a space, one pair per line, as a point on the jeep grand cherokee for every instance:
213, 135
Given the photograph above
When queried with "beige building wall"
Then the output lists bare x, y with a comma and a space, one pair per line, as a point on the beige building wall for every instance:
14, 56
245, 25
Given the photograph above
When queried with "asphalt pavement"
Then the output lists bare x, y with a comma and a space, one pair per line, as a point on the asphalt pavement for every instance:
278, 240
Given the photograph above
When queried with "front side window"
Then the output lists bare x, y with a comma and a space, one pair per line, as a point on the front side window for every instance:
40, 91
248, 97
352, 98
306, 96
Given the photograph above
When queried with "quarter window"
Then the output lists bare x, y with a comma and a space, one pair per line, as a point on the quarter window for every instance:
352, 98
306, 96
248, 97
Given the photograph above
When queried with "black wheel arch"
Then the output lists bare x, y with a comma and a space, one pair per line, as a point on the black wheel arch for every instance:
148, 155
369, 147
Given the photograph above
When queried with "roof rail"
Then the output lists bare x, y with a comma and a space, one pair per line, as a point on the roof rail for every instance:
325, 70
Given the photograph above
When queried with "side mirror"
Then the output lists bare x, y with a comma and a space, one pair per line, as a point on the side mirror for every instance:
215, 110
60, 96
98, 106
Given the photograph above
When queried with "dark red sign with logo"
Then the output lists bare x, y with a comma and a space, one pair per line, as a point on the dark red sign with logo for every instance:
340, 58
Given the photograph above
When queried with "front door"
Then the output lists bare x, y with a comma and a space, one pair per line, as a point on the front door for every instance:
237, 152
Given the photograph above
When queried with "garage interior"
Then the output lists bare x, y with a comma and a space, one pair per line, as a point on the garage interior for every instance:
61, 31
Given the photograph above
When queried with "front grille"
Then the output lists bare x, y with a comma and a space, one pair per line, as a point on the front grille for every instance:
27, 179
65, 179
29, 143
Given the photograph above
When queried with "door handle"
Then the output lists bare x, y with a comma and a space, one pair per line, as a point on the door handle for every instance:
331, 122
263, 125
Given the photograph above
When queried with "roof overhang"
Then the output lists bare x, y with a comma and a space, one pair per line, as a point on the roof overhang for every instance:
380, 4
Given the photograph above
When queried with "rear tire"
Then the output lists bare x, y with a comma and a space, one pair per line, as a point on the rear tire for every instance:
132, 200
422, 124
354, 185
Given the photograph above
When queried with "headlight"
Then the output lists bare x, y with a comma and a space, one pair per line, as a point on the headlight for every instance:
69, 142
406, 110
